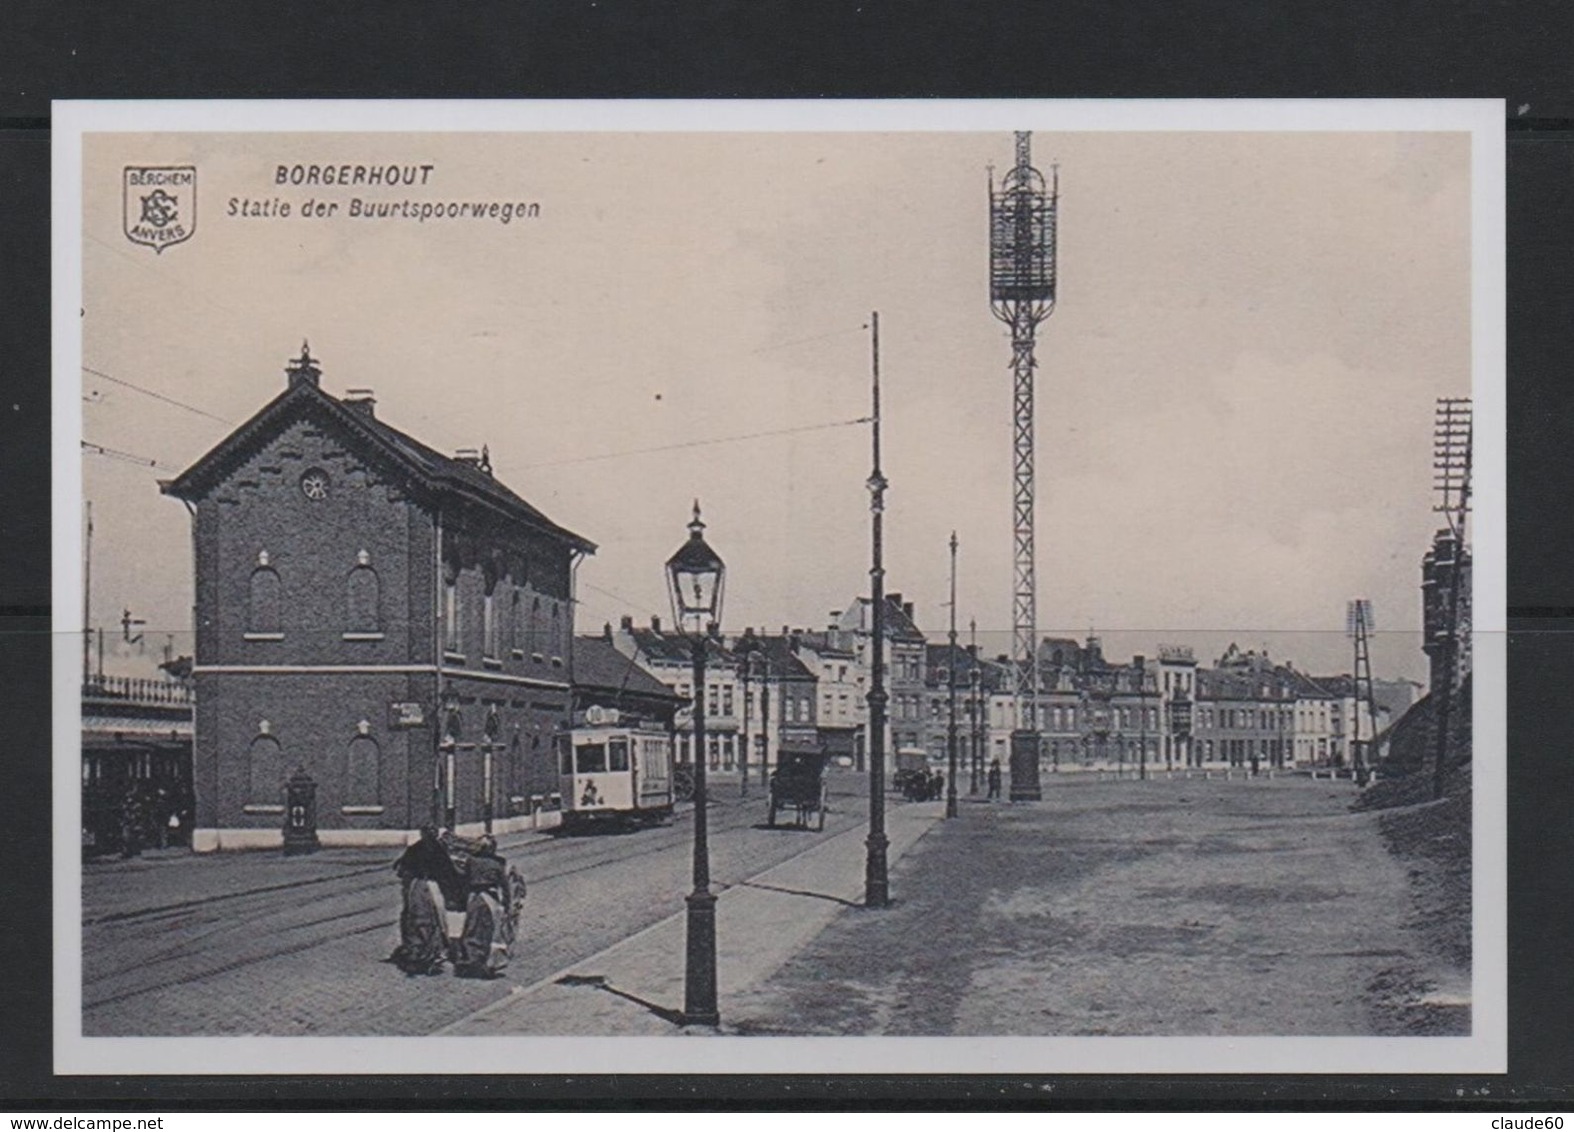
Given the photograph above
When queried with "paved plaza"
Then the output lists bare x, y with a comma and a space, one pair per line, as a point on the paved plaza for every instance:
1166, 907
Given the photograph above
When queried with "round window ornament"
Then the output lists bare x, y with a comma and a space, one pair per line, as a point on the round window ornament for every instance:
314, 485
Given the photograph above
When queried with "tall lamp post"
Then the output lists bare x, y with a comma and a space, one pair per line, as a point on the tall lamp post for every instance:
1142, 722
877, 877
745, 652
976, 760
950, 738
695, 577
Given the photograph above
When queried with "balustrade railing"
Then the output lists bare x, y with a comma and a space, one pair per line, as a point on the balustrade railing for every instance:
130, 689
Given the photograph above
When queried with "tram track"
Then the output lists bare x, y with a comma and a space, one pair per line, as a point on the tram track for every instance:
223, 935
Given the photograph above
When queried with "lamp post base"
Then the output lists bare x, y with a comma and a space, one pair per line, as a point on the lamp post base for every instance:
699, 984
877, 879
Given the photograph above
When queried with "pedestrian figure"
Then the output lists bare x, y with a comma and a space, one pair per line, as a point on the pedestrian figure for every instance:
1255, 763
497, 895
430, 879
939, 785
131, 822
994, 779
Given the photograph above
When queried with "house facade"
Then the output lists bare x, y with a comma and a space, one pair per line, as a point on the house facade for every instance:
390, 623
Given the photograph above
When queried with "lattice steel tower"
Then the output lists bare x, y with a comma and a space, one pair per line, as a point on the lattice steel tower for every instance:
1359, 625
1022, 211
1453, 432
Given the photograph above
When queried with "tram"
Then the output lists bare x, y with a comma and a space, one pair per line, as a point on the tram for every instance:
613, 766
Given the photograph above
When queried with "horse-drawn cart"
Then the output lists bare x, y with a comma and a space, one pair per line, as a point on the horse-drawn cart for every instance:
798, 784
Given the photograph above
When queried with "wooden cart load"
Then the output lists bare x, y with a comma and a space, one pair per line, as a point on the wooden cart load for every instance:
798, 784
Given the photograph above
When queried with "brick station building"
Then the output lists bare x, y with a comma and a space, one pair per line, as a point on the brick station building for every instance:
394, 622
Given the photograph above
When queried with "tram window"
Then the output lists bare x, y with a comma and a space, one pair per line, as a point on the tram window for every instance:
619, 754
592, 758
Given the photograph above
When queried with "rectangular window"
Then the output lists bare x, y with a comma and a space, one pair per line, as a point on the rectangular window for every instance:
618, 754
726, 699
591, 757
710, 700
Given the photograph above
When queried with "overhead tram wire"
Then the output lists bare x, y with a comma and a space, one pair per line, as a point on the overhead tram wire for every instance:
155, 395
117, 454
700, 443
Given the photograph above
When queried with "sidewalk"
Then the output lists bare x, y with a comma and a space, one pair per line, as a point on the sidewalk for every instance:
635, 987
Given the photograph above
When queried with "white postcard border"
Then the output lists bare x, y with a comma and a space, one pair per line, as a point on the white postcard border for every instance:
1485, 1051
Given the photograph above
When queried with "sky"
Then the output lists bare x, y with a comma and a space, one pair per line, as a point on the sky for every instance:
1234, 393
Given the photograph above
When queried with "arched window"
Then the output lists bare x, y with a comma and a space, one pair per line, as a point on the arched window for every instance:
363, 773
533, 638
515, 612
265, 601
489, 617
363, 596
264, 771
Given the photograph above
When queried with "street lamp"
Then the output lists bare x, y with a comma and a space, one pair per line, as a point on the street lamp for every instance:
695, 577
950, 739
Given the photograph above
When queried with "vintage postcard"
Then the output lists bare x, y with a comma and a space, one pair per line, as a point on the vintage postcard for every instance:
901, 587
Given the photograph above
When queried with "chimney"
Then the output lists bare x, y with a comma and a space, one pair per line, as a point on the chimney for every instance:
785, 630
606, 631
304, 369
628, 623
894, 599
655, 623
835, 619
1139, 662
907, 608
361, 401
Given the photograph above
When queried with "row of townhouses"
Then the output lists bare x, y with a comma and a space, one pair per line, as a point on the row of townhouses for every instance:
398, 625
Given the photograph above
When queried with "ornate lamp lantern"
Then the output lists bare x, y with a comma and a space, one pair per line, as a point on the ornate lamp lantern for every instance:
696, 579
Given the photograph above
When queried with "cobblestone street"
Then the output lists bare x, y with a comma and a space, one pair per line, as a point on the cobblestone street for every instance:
255, 943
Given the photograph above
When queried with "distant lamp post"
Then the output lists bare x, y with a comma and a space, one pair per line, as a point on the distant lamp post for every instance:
950, 739
974, 708
745, 652
695, 577
1142, 720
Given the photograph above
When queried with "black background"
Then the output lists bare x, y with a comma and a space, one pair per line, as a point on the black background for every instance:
1519, 52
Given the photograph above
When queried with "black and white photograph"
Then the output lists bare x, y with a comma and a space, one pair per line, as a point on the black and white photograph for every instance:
1022, 576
